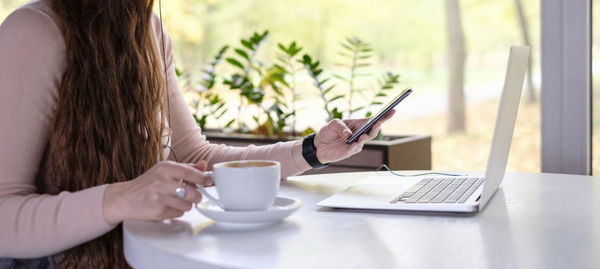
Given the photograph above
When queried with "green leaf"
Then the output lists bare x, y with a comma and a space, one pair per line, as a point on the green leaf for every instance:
221, 52
306, 59
277, 91
345, 54
229, 123
178, 72
220, 106
342, 65
307, 131
221, 114
353, 41
238, 81
329, 89
242, 53
288, 115
200, 121
324, 81
279, 68
335, 98
336, 114
341, 78
235, 63
281, 47
294, 49
273, 75
247, 44
347, 47
357, 109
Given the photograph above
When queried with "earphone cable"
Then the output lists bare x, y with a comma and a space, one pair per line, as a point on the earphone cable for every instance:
414, 175
164, 56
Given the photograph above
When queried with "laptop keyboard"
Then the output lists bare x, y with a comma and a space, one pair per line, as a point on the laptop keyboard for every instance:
440, 190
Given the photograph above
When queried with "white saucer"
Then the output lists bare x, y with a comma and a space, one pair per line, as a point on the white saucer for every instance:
281, 208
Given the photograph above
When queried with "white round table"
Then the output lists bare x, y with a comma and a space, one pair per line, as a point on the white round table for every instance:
533, 221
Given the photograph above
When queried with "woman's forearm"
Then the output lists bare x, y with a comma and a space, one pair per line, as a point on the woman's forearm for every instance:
34, 225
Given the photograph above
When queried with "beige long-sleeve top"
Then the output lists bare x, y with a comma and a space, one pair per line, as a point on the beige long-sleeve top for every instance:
32, 58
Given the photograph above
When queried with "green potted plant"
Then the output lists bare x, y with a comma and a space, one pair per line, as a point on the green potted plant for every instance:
269, 91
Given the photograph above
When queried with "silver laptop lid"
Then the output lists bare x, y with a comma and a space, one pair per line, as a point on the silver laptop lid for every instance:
505, 121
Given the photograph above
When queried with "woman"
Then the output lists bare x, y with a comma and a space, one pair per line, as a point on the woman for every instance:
92, 126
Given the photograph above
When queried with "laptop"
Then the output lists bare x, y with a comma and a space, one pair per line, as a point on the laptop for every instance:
448, 193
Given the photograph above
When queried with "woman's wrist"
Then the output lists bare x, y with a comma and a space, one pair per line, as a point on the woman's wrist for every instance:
299, 160
113, 205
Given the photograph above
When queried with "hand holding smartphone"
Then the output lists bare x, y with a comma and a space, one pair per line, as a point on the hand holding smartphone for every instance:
375, 118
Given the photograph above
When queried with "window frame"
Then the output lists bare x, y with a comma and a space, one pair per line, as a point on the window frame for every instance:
566, 86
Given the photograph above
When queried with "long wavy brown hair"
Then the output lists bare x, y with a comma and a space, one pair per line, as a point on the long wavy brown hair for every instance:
108, 122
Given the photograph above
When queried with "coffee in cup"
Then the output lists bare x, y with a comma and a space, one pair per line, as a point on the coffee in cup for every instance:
246, 164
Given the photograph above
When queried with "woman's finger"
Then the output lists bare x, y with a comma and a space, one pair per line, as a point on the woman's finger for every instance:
178, 171
358, 145
374, 130
207, 181
169, 189
171, 213
339, 127
346, 134
192, 194
363, 139
354, 124
388, 116
201, 165
174, 202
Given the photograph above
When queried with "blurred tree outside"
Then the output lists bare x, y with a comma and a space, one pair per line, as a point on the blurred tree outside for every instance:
595, 88
524, 27
456, 67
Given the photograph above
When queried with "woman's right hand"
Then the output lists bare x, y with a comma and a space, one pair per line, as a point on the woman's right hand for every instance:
152, 195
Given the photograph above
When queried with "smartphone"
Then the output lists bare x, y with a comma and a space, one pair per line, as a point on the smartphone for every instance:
373, 119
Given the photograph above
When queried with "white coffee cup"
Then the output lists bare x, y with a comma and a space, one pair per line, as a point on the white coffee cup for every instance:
249, 185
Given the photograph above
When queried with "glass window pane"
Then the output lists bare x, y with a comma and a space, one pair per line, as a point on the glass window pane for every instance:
409, 38
7, 6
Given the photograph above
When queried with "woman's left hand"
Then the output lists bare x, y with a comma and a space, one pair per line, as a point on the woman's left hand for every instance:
330, 141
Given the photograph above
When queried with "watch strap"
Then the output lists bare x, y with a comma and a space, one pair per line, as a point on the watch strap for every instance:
309, 152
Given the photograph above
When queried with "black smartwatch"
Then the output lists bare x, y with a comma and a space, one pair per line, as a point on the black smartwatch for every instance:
309, 152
